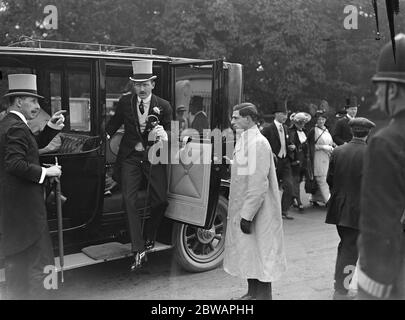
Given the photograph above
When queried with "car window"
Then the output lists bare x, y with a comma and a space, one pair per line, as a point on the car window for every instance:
79, 99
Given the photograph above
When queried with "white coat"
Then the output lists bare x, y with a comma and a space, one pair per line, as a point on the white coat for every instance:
255, 196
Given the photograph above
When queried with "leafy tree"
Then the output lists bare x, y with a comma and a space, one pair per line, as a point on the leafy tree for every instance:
296, 51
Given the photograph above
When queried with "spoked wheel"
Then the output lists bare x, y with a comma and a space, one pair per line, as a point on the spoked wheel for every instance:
198, 249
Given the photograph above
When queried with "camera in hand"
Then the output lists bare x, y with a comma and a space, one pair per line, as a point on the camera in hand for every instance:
151, 122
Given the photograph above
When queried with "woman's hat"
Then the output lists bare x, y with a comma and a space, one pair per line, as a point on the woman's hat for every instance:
22, 85
301, 117
320, 113
142, 71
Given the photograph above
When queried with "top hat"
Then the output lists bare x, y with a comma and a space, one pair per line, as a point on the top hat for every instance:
197, 102
22, 85
351, 103
279, 107
142, 71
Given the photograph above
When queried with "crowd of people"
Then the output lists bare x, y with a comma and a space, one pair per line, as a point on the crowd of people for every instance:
302, 149
361, 181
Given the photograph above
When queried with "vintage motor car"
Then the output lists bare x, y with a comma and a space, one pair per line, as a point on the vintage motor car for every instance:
87, 80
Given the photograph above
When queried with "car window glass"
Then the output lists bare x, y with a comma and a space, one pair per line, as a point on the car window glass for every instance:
79, 100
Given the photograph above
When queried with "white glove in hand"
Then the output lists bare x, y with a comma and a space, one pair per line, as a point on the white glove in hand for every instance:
159, 133
57, 120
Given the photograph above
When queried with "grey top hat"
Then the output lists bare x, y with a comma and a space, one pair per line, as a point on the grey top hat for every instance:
142, 71
22, 85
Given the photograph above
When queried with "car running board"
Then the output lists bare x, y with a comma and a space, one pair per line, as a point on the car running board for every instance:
105, 252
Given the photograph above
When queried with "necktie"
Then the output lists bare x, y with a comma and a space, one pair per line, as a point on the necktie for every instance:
141, 108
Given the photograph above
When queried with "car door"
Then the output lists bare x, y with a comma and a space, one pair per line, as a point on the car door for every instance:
194, 181
70, 85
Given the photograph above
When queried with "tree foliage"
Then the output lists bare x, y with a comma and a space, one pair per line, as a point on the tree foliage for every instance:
294, 50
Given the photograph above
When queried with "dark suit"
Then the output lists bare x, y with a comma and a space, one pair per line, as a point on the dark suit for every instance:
132, 166
344, 179
200, 122
382, 209
342, 132
25, 242
283, 165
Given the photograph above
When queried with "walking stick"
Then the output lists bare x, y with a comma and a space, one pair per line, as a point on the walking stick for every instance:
153, 123
60, 221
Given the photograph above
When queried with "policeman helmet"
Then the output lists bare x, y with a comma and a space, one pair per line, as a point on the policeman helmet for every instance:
388, 69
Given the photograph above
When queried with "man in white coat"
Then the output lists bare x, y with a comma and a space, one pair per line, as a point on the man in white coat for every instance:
254, 245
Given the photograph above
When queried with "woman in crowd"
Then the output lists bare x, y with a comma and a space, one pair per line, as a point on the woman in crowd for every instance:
300, 156
320, 147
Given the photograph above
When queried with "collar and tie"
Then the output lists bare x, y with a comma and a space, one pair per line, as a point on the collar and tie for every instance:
141, 107
283, 150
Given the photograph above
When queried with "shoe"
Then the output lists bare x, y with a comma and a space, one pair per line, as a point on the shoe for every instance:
301, 207
315, 204
246, 296
149, 245
139, 260
286, 216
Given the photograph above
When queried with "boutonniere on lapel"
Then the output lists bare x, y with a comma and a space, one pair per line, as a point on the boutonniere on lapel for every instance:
156, 110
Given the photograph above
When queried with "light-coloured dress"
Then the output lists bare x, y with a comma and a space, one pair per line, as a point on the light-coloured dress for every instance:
323, 150
255, 196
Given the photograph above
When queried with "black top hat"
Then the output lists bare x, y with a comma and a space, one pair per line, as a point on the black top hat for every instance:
196, 103
279, 107
351, 102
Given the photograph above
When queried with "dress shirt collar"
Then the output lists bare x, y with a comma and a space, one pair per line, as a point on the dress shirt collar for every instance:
20, 115
146, 100
251, 131
278, 124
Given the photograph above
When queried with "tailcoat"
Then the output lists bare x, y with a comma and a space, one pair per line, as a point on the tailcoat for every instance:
23, 215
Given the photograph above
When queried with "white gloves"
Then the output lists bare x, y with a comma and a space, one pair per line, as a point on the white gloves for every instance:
57, 120
158, 133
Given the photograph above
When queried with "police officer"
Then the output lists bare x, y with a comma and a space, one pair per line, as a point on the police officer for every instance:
382, 242
344, 180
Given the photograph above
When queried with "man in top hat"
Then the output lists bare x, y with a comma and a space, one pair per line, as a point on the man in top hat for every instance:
344, 180
277, 135
25, 243
381, 244
132, 164
342, 132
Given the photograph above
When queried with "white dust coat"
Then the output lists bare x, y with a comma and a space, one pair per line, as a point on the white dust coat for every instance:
255, 196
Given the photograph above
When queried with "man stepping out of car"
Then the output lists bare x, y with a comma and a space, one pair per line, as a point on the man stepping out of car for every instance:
132, 163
